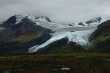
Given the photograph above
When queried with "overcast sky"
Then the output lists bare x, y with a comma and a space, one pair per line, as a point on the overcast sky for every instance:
57, 10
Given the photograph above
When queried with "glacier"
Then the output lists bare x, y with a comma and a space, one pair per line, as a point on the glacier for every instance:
75, 33
79, 37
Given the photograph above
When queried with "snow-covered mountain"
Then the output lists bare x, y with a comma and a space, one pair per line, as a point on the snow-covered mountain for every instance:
46, 22
21, 32
47, 32
74, 33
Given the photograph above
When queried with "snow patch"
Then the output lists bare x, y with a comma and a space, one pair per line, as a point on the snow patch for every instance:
18, 18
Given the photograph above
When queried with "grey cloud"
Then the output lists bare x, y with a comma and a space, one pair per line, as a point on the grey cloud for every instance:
58, 10
8, 2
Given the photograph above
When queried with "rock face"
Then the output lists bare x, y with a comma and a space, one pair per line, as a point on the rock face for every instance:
20, 35
94, 20
101, 37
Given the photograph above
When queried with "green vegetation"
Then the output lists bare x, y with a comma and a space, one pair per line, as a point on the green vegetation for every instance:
53, 63
103, 38
27, 37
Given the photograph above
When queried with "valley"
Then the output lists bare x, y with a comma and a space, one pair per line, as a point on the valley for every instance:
55, 63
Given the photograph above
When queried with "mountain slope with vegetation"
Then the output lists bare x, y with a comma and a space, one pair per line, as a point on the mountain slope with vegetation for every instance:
101, 37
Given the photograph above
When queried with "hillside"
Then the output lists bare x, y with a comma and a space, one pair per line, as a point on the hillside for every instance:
101, 37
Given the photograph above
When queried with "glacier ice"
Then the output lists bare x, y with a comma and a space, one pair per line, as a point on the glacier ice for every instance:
73, 32
79, 37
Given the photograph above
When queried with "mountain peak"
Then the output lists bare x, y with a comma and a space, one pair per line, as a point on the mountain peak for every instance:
43, 18
19, 18
91, 22
15, 19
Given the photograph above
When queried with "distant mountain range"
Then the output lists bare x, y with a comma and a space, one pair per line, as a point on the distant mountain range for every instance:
31, 34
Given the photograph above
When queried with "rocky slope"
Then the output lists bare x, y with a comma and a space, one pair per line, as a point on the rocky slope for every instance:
101, 37
21, 33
